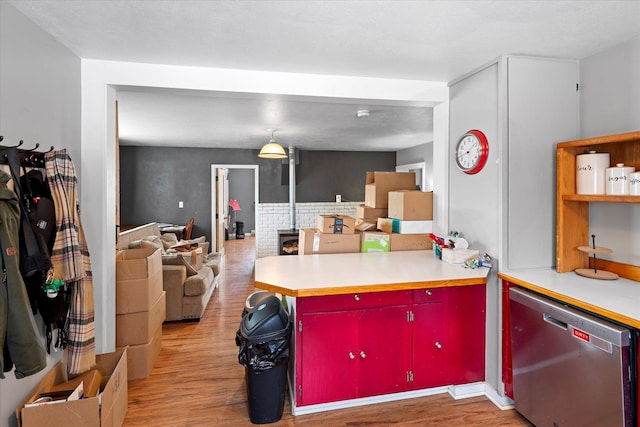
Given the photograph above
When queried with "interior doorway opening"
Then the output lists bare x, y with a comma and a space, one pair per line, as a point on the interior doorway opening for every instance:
234, 199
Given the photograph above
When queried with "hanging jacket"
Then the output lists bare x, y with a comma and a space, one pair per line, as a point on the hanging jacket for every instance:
18, 333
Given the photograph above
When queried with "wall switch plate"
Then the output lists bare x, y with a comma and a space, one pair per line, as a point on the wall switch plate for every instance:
180, 204
338, 198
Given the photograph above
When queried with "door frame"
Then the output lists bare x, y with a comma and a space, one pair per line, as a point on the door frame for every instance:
422, 166
256, 176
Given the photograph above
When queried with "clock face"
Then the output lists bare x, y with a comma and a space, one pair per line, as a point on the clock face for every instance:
472, 152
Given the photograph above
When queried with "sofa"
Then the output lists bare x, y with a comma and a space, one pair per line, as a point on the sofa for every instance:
189, 273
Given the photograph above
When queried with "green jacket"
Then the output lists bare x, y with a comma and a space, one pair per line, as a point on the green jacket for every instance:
18, 334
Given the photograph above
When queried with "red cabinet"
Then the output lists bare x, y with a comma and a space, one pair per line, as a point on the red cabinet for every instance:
449, 336
429, 345
466, 332
355, 352
360, 345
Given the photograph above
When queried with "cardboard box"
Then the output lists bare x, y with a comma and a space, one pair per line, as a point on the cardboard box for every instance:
366, 214
410, 242
312, 241
90, 379
385, 224
336, 224
411, 205
142, 357
375, 241
378, 185
140, 327
106, 410
138, 279
411, 227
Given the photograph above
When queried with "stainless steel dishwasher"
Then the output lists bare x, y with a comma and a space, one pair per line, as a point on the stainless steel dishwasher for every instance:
569, 368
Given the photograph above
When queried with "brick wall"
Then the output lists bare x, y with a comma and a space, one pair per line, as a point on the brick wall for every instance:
275, 216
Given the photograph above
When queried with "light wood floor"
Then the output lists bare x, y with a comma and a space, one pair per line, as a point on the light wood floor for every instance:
197, 380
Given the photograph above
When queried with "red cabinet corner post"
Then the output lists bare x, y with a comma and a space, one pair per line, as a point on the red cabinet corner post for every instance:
507, 373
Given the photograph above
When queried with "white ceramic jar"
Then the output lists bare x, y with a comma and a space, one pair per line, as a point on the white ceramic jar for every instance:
634, 184
618, 179
590, 172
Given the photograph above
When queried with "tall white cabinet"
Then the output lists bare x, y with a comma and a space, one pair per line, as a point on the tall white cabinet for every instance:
524, 105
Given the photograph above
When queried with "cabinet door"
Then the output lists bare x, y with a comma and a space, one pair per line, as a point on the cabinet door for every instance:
466, 332
430, 344
329, 365
384, 350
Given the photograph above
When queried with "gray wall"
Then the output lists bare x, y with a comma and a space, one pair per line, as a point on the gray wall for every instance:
154, 179
610, 104
39, 102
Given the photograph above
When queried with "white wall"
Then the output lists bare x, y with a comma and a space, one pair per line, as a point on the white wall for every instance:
610, 104
40, 103
474, 202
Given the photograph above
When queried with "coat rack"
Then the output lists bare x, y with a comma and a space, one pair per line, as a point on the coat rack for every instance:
28, 158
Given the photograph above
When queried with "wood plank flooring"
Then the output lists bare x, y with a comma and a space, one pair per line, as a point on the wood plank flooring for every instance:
197, 380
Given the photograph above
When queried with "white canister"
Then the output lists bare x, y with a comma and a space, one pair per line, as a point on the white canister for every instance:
618, 179
590, 172
634, 184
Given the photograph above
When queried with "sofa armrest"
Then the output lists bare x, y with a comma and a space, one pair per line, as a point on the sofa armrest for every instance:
173, 278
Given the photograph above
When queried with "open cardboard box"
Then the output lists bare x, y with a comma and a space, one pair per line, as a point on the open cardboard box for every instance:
107, 409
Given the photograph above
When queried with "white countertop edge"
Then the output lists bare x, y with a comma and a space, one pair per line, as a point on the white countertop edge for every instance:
305, 272
621, 296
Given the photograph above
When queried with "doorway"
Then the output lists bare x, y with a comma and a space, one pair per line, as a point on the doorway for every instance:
237, 185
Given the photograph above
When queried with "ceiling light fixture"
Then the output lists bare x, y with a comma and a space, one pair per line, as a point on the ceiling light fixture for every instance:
362, 113
272, 150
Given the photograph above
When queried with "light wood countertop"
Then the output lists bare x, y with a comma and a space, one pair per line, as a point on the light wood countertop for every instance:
334, 274
615, 299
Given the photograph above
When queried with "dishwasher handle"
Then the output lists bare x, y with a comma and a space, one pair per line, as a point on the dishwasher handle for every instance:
593, 340
555, 322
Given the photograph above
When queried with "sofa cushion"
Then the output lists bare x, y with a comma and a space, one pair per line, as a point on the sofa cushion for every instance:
168, 240
213, 261
147, 242
178, 259
200, 283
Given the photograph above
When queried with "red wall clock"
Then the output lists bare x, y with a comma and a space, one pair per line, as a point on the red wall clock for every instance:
472, 152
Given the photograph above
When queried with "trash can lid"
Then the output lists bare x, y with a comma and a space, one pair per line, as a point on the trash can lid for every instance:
256, 298
267, 317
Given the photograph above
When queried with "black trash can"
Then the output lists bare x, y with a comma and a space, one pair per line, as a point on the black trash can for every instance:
263, 338
239, 230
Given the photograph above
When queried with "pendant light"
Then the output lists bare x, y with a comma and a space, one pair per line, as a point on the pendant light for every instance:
272, 150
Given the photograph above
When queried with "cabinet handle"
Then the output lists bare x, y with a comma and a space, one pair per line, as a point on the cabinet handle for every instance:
362, 354
428, 292
351, 356
356, 297
438, 345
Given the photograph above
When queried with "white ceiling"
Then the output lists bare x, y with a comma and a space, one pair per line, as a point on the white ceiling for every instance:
418, 40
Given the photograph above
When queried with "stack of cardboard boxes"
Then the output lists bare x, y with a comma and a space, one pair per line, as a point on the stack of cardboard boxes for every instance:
395, 216
140, 308
334, 234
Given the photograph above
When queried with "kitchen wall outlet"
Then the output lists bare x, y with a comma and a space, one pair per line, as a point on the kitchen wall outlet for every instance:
180, 204
338, 198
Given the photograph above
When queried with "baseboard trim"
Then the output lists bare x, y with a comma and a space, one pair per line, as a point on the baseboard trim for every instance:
502, 402
457, 392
